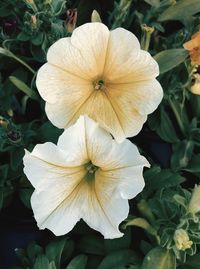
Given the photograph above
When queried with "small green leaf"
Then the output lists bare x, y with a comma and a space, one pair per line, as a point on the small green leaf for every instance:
124, 242
153, 3
34, 250
54, 250
118, 258
181, 10
92, 244
41, 262
25, 196
170, 58
78, 262
52, 265
159, 258
16, 156
24, 88
182, 153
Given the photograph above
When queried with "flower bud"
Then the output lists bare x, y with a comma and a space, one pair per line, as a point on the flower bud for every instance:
3, 123
33, 21
95, 16
182, 240
71, 20
194, 205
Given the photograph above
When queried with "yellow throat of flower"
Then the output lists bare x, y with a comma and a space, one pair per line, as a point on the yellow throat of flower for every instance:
99, 84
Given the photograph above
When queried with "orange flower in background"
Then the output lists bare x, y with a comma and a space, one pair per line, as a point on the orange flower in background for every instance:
193, 46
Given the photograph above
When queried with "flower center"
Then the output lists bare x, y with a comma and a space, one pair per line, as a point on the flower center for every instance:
90, 171
99, 85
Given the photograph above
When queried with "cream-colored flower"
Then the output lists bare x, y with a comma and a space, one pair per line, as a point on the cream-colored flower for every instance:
103, 74
87, 175
194, 205
182, 240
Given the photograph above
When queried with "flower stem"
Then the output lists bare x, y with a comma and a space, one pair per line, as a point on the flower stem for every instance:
8, 53
177, 115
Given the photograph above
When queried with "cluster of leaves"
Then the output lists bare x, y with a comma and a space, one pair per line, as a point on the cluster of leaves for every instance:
27, 29
89, 251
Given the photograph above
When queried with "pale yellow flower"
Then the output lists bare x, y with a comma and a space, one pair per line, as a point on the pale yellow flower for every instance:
103, 74
88, 176
194, 205
182, 240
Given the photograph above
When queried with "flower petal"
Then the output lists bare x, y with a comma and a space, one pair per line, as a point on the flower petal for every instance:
84, 53
85, 140
144, 96
122, 169
55, 84
53, 201
104, 210
47, 161
131, 63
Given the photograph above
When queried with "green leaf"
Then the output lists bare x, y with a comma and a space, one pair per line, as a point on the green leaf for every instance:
48, 132
154, 3
181, 10
78, 262
24, 88
41, 262
168, 59
25, 196
54, 250
117, 259
52, 265
182, 153
119, 243
160, 179
159, 258
34, 250
193, 262
193, 165
92, 244
16, 156
160, 122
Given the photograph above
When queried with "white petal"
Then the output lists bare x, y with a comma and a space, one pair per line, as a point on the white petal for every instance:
123, 155
54, 200
55, 84
103, 209
123, 169
86, 141
46, 162
84, 53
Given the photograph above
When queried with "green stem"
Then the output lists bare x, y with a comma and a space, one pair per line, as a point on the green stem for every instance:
23, 63
8, 53
176, 113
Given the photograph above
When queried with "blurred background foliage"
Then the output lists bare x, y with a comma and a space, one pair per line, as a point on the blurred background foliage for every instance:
161, 215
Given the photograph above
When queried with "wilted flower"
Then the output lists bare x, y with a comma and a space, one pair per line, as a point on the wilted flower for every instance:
71, 20
182, 240
102, 74
193, 46
87, 175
